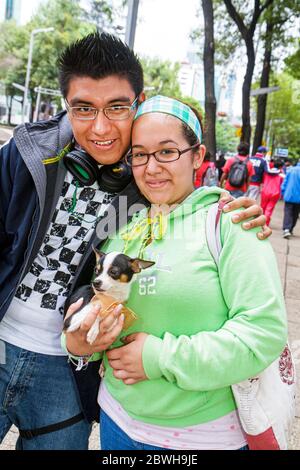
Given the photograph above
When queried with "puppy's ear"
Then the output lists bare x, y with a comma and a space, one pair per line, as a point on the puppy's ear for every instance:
138, 264
98, 254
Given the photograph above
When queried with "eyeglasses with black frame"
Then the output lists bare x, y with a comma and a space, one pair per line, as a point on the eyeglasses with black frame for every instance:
166, 155
113, 113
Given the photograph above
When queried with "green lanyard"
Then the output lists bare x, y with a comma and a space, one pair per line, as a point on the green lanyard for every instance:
147, 229
75, 214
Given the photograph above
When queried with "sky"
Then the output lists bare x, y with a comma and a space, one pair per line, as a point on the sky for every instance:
164, 27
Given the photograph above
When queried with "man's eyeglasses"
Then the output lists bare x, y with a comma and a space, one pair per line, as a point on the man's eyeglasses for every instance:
167, 155
114, 113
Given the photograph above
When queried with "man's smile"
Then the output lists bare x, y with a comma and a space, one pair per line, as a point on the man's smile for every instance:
104, 144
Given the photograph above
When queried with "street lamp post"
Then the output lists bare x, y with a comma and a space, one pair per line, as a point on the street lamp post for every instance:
33, 32
133, 6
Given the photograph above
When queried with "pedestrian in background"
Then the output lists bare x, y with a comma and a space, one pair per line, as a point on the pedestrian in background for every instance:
271, 189
207, 174
238, 171
260, 167
220, 162
291, 195
287, 165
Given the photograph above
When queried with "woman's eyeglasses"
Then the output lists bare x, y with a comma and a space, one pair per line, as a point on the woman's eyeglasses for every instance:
167, 155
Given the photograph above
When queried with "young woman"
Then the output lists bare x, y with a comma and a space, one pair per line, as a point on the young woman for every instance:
199, 328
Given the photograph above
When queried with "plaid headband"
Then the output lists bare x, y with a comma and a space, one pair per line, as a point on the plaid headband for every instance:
163, 104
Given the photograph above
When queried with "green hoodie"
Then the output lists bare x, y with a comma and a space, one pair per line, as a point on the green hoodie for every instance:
207, 328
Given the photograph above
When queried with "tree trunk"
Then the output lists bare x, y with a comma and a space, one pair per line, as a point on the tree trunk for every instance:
264, 82
9, 100
246, 123
247, 34
209, 78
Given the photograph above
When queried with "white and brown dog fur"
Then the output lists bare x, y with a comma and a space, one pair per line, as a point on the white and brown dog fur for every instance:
114, 274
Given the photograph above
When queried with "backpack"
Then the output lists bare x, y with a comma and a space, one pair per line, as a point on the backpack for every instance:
238, 172
265, 403
210, 177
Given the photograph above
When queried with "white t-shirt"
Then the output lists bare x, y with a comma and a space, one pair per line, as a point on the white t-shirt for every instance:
35, 316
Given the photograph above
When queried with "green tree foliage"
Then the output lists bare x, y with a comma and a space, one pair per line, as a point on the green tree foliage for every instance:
105, 15
190, 101
70, 22
227, 140
293, 63
161, 77
283, 115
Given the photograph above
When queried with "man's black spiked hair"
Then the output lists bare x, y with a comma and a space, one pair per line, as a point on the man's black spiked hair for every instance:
99, 56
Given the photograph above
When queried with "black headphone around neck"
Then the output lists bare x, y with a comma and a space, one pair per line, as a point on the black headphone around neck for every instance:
111, 178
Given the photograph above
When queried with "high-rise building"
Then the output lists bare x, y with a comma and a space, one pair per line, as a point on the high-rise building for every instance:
190, 79
10, 10
226, 94
18, 10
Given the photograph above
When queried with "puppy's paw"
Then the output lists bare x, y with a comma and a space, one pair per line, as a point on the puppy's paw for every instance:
94, 331
73, 322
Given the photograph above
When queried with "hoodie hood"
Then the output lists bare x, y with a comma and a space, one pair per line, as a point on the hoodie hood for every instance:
201, 197
40, 140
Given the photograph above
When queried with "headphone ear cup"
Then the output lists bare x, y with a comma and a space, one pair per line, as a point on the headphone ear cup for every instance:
82, 166
114, 178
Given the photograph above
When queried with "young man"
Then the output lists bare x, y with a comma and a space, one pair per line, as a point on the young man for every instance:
245, 172
47, 228
260, 168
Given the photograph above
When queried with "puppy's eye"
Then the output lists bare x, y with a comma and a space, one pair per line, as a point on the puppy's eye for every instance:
97, 271
114, 272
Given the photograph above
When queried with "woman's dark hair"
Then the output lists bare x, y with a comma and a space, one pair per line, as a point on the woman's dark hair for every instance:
278, 163
243, 149
100, 56
207, 156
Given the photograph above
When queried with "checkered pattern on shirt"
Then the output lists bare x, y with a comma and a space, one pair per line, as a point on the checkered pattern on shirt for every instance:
49, 279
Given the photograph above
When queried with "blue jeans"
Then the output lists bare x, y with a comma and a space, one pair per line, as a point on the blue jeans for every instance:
38, 390
291, 214
113, 438
237, 193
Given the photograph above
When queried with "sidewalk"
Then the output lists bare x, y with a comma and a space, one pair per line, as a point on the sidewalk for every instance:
288, 256
5, 134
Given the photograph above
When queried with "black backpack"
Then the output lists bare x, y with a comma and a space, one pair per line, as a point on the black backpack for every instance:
238, 172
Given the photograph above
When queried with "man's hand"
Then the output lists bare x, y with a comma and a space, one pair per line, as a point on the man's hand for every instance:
110, 328
252, 210
126, 361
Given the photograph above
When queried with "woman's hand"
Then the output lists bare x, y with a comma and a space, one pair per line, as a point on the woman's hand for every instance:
252, 210
110, 328
126, 361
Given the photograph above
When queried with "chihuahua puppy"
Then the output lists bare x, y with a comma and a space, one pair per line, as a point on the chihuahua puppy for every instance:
111, 286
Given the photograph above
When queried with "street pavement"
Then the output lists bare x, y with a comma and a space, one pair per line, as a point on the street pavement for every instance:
288, 257
5, 134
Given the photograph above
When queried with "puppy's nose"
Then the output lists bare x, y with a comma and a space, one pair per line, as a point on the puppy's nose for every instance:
97, 284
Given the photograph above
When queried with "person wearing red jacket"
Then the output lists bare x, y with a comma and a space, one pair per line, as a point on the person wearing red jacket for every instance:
206, 175
243, 155
271, 191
